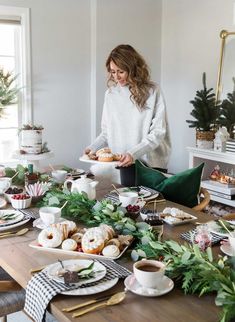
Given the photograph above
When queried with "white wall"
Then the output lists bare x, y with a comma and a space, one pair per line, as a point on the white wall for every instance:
60, 35
190, 46
133, 22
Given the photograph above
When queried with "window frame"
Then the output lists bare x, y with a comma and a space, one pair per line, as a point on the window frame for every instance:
25, 97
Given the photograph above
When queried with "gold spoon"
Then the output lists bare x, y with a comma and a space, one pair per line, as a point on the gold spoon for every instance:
115, 299
18, 233
115, 189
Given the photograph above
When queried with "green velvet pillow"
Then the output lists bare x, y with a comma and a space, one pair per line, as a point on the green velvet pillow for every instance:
182, 188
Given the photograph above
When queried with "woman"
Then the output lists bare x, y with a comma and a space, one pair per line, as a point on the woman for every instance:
134, 122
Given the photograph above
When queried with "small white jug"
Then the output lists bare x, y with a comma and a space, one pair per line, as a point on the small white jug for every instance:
5, 183
83, 184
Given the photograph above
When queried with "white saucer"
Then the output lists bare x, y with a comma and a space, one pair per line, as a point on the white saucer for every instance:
227, 249
165, 286
40, 224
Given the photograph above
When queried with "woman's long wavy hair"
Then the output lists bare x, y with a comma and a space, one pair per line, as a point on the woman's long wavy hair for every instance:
138, 79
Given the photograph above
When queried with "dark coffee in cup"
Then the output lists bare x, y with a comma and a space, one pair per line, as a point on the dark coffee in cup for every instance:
149, 268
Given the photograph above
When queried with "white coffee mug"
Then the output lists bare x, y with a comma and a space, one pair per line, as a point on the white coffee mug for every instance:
5, 183
128, 198
231, 239
149, 273
50, 215
59, 175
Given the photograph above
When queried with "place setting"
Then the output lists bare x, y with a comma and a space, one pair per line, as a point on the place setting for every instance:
11, 218
78, 277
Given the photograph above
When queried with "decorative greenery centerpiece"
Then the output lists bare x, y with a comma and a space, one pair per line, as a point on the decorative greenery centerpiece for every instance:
227, 112
205, 113
8, 91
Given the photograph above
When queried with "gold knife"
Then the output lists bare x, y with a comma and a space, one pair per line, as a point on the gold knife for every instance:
78, 306
38, 269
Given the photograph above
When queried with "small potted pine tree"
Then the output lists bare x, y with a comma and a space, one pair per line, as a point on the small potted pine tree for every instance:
205, 113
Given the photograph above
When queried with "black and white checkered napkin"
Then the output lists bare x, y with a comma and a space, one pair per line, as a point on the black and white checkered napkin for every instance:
31, 212
40, 289
188, 235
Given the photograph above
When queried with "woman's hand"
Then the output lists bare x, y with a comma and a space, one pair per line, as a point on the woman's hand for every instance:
126, 160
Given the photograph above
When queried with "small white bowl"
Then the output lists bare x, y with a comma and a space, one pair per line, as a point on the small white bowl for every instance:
9, 195
21, 203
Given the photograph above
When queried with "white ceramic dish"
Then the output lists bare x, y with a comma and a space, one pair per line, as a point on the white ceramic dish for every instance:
181, 222
164, 287
214, 228
227, 249
82, 263
20, 223
21, 203
18, 216
3, 202
34, 244
85, 158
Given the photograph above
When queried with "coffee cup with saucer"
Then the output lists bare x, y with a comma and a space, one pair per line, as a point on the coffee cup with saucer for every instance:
48, 216
149, 279
228, 247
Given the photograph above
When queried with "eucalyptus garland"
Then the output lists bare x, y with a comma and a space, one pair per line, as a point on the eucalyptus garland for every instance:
193, 270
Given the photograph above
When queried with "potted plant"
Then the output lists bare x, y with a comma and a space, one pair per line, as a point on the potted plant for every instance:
8, 91
227, 112
31, 139
205, 113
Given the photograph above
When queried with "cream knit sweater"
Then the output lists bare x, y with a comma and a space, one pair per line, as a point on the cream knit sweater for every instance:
124, 128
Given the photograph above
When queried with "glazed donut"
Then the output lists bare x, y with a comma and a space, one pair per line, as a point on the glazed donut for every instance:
103, 150
109, 230
77, 237
69, 244
116, 157
105, 157
92, 241
50, 237
71, 226
111, 251
114, 241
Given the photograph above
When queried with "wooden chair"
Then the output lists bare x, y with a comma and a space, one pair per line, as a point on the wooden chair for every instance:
12, 296
230, 216
205, 199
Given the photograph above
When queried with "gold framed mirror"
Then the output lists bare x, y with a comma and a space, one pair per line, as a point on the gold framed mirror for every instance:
226, 70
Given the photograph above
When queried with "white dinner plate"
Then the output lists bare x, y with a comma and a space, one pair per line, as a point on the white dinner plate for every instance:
165, 286
20, 223
227, 249
3, 202
85, 158
214, 228
176, 222
99, 269
18, 216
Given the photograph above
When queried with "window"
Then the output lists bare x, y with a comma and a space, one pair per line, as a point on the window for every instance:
15, 58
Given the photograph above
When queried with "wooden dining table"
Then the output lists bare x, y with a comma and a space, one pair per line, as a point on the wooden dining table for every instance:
17, 258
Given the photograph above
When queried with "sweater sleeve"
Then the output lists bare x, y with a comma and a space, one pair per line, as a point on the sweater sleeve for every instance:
101, 140
157, 131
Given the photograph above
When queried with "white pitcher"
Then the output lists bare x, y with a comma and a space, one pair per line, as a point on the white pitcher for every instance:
83, 184
5, 183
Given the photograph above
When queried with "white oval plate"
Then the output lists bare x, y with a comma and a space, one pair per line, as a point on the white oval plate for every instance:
214, 228
82, 263
227, 249
20, 223
18, 216
101, 287
132, 285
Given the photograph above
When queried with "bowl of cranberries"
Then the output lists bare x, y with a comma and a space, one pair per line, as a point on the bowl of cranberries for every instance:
133, 211
11, 192
21, 201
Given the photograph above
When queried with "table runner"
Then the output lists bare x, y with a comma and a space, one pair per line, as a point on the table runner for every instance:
40, 289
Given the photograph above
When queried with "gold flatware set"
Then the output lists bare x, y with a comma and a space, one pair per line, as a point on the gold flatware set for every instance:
108, 300
14, 233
